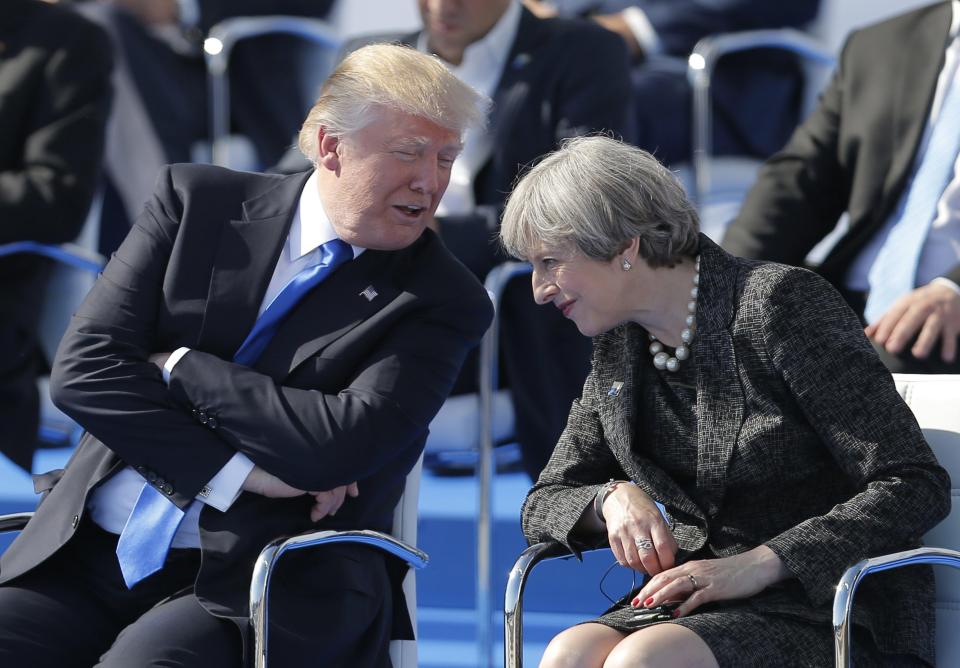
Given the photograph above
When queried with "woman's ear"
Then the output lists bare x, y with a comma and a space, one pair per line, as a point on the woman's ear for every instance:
328, 156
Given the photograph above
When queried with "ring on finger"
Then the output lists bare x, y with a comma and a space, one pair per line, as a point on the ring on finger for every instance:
643, 544
693, 581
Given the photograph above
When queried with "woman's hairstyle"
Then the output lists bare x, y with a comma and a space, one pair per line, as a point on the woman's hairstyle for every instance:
394, 77
595, 194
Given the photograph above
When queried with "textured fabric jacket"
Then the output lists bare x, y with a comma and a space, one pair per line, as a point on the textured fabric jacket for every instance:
803, 445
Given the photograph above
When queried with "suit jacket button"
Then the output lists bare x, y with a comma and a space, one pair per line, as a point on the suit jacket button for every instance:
212, 422
75, 521
167, 489
151, 477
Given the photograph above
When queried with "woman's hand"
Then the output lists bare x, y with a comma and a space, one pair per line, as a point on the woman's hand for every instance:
638, 534
698, 582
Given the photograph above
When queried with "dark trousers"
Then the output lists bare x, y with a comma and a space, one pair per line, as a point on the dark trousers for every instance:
75, 610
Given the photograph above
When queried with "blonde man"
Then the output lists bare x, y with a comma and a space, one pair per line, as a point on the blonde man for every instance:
263, 354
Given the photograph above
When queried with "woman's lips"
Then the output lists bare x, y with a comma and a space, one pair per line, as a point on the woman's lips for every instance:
565, 307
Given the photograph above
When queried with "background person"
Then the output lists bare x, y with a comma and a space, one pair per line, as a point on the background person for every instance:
744, 398
316, 329
883, 147
54, 99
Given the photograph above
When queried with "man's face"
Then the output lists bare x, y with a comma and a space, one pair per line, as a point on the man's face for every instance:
453, 25
387, 179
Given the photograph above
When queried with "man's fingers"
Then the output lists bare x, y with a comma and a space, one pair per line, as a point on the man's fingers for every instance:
928, 336
353, 490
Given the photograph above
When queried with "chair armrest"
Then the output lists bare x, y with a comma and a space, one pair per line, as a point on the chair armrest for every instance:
68, 254
513, 599
847, 587
14, 521
701, 65
264, 567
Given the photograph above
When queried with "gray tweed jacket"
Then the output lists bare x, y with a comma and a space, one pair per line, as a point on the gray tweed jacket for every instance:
803, 445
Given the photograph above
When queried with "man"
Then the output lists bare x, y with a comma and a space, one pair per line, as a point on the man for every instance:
881, 148
549, 79
54, 98
316, 409
755, 95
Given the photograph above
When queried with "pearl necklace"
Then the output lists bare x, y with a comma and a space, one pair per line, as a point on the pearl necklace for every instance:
661, 360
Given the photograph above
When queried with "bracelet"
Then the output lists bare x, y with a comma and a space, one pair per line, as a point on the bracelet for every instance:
605, 490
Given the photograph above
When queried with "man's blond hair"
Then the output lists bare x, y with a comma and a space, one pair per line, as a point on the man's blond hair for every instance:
394, 77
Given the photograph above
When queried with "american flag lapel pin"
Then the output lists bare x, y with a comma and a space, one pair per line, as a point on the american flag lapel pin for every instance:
369, 293
614, 390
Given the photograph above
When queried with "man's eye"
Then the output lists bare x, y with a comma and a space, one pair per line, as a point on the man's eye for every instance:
446, 163
405, 155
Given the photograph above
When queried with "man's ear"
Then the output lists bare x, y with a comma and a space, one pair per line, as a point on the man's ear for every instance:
327, 151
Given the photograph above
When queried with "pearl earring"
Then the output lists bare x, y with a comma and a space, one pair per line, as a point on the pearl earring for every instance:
626, 264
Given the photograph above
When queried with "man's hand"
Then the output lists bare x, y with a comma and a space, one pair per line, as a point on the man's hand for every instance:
324, 503
540, 9
932, 310
328, 503
151, 12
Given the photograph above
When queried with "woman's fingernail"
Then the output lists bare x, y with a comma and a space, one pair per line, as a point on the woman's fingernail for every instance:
675, 614
648, 602
635, 602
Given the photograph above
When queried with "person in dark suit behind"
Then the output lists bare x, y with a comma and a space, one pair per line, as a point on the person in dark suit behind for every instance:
756, 96
283, 402
882, 147
549, 79
742, 398
54, 98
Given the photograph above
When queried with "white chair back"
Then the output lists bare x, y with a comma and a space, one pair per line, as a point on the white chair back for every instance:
403, 653
935, 401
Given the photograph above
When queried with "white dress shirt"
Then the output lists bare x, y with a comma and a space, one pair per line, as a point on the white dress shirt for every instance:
111, 504
941, 249
481, 68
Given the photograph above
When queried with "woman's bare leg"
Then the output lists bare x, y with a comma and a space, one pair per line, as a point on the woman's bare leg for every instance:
581, 646
661, 645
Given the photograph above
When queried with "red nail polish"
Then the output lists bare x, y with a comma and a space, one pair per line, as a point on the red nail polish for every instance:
648, 602
635, 602
675, 614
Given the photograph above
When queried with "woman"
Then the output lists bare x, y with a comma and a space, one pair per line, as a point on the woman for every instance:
744, 397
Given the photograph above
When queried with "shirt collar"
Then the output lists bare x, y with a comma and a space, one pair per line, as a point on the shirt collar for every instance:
311, 227
489, 53
955, 20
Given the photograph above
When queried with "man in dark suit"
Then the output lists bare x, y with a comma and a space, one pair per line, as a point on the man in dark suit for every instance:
549, 79
756, 97
868, 151
54, 98
285, 399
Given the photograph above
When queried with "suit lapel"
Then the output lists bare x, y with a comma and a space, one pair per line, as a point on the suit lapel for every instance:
720, 399
244, 264
512, 89
352, 294
914, 97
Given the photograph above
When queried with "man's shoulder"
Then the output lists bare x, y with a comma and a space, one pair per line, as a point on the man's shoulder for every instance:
201, 178
577, 37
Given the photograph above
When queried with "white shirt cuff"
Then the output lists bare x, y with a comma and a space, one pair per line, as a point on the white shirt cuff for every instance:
172, 362
224, 488
946, 281
189, 13
643, 31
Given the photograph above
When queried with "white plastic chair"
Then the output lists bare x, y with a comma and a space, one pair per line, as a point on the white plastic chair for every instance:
399, 543
935, 401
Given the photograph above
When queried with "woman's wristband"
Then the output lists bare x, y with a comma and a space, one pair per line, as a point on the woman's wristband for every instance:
605, 490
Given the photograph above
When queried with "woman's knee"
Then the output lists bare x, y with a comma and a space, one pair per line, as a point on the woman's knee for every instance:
582, 646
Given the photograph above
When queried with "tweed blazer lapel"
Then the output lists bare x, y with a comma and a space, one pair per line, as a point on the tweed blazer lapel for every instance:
720, 398
618, 380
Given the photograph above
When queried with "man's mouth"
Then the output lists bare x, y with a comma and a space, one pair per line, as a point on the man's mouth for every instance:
411, 211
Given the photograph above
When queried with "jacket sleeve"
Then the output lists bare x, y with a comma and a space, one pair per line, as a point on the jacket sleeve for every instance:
314, 440
102, 377
869, 431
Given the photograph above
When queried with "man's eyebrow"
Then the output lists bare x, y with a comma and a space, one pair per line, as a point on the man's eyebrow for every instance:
416, 143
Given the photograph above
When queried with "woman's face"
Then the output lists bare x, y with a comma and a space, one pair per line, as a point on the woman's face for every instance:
589, 292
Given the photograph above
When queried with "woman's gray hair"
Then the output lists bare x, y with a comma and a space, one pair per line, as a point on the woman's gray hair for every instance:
595, 194
394, 77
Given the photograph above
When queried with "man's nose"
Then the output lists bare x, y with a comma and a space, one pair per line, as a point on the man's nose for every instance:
426, 179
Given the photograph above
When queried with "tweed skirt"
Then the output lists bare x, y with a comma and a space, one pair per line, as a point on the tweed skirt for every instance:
741, 637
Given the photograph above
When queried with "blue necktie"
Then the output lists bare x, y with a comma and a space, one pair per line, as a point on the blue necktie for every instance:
894, 271
153, 522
